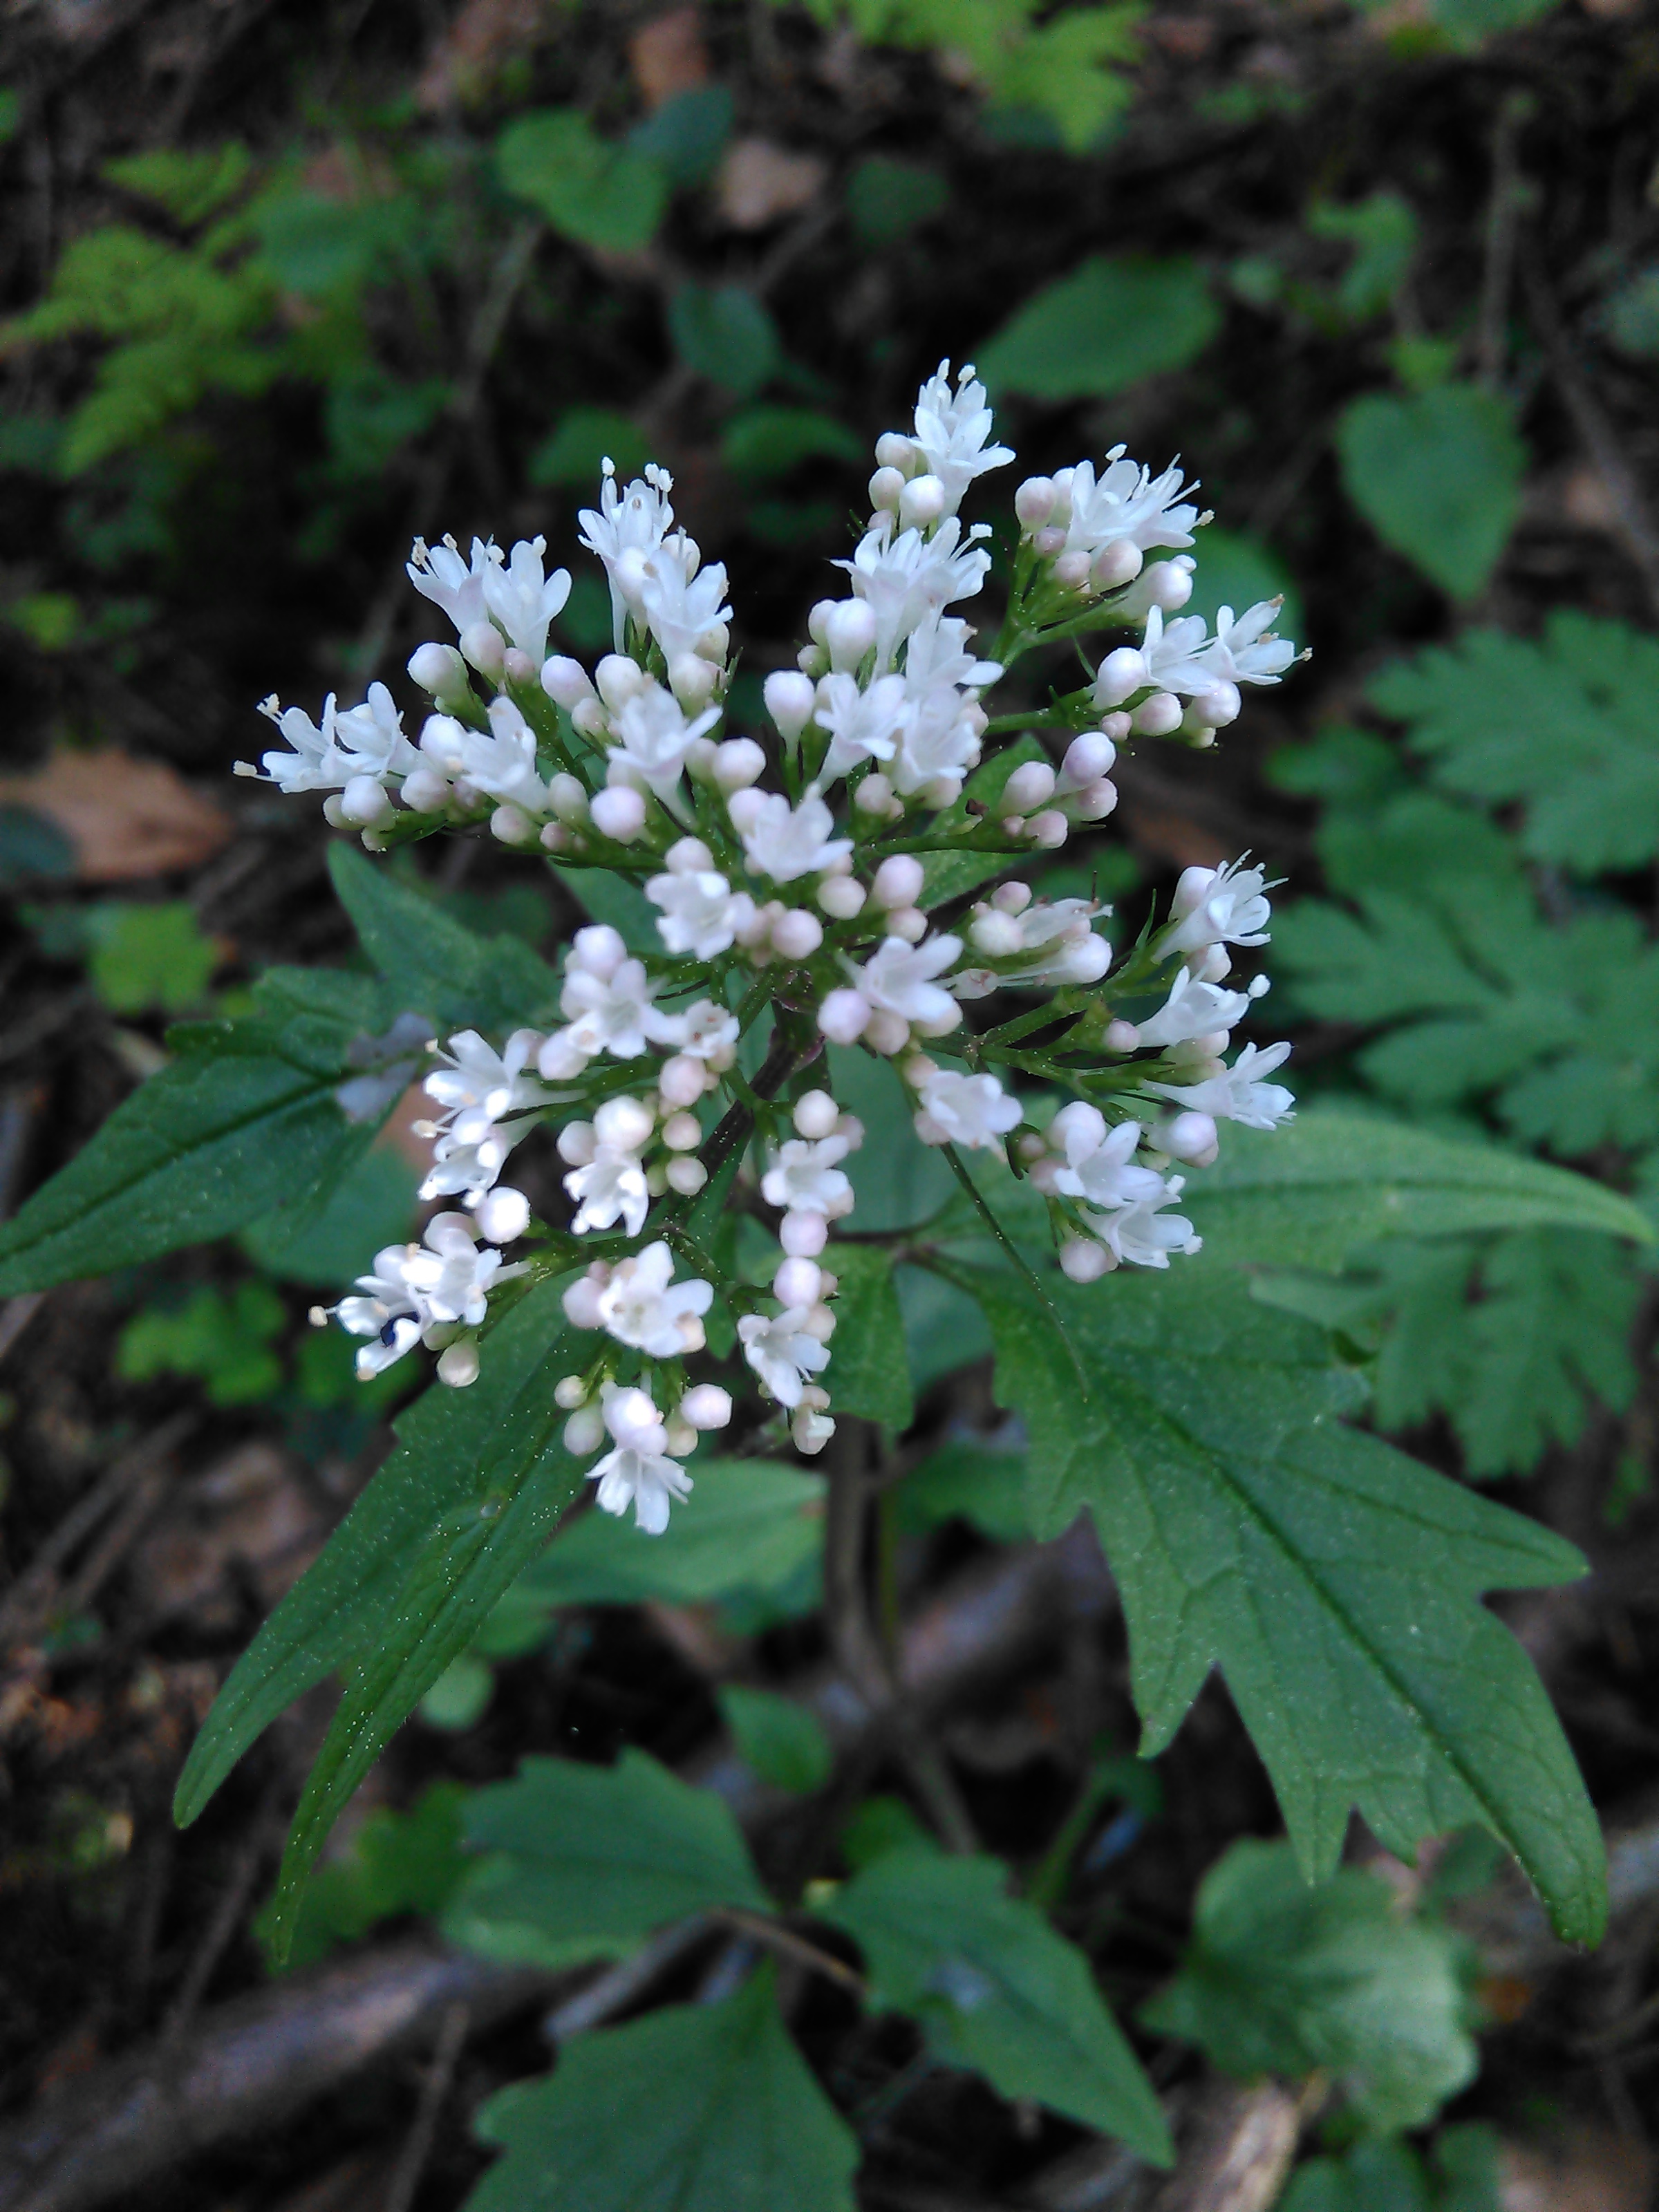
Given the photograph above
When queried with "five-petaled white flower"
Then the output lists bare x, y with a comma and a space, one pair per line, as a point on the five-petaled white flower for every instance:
1220, 906
964, 1110
642, 1305
1239, 1094
782, 1353
805, 1177
785, 842
898, 978
702, 913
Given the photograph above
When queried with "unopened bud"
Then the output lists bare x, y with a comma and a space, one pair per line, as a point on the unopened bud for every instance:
1159, 716
482, 644
790, 698
566, 681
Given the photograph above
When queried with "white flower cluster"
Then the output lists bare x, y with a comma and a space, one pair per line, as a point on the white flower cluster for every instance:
824, 874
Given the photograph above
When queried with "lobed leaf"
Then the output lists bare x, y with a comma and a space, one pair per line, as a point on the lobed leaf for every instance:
872, 1370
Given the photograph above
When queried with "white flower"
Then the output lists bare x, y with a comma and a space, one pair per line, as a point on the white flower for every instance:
615, 1012
416, 1287
387, 1310
650, 732
1127, 501
1194, 1010
964, 1110
479, 1089
372, 737
898, 977
624, 530
641, 1305
907, 578
805, 1177
638, 1471
1244, 650
786, 843
439, 573
782, 1353
609, 1187
707, 1030
938, 655
951, 428
1051, 939
862, 724
702, 913
680, 599
315, 762
521, 601
501, 760
1099, 1164
938, 737
1239, 1094
1143, 1233
1220, 906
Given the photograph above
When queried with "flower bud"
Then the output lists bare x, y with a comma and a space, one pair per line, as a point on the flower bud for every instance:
512, 826
1031, 785
841, 897
623, 1125
558, 1060
1034, 501
1088, 758
1117, 564
570, 1392
923, 502
886, 489
1072, 570
567, 796
705, 1407
713, 643
996, 934
1158, 716
425, 792
809, 1431
850, 632
1082, 1261
898, 881
1049, 540
814, 1113
1011, 898
895, 451
618, 678
583, 1432
790, 698
909, 922
457, 1363
738, 762
565, 680
619, 812
797, 934
799, 1282
1216, 705
700, 759
517, 666
874, 794
482, 644
1122, 671
844, 1016
681, 1132
745, 808
692, 680
1049, 830
576, 1142
588, 719
684, 1174
501, 1215
682, 1080
364, 802
886, 1032
1122, 1036
440, 671
1189, 1136
820, 1322
581, 1301
803, 1236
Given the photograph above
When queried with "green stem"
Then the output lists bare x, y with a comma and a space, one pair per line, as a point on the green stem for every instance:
1024, 1267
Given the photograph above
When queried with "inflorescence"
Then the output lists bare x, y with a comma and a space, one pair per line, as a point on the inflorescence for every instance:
797, 884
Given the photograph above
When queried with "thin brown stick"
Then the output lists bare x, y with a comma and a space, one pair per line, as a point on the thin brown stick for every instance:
440, 2075
773, 1935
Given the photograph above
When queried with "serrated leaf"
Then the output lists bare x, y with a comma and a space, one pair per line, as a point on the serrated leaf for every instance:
872, 1371
242, 1119
1283, 1976
695, 2108
779, 1739
599, 195
1112, 321
586, 1861
997, 1990
1333, 1581
1438, 475
1309, 1195
343, 1604
432, 962
1568, 726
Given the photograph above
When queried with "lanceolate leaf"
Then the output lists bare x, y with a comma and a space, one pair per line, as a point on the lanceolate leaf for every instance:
587, 1859
697, 2108
434, 964
1334, 1580
997, 1990
243, 1119
343, 1604
1309, 1195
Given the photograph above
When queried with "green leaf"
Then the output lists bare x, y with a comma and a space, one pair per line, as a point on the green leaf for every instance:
585, 438
764, 442
148, 955
434, 964
724, 333
1236, 571
872, 1374
998, 1990
606, 197
965, 1481
343, 1606
1309, 1195
1287, 1977
695, 2108
1438, 475
225, 1340
586, 1861
897, 1182
330, 1243
687, 135
1382, 230
888, 197
1110, 323
190, 187
1567, 725
783, 1742
396, 1862
748, 1526
1334, 1580
244, 1117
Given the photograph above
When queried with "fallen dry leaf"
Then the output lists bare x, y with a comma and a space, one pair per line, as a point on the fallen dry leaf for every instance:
759, 182
464, 64
1586, 2171
246, 1515
125, 818
667, 57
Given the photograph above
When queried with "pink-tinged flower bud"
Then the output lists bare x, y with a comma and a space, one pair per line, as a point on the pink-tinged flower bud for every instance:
997, 934
1158, 716
1088, 758
895, 451
567, 796
1115, 727
745, 809
692, 680
618, 678
1095, 801
818, 621
482, 644
790, 698
1115, 565
685, 1174
682, 1081
707, 1406
814, 1115
1217, 704
1189, 1136
503, 1215
797, 934
576, 1144
1082, 1261
1122, 671
898, 881
797, 1283
886, 489
565, 680
922, 502
555, 838
1049, 541
1168, 584
738, 762
1049, 830
909, 922
425, 792
844, 1016
700, 759
583, 1432
819, 1322
886, 1032
841, 897
1122, 1036
457, 1363
588, 719
364, 802
874, 795
850, 632
682, 1132
1034, 502
510, 825
439, 670
581, 1301
1011, 898
803, 1236
619, 813
1072, 569
1031, 785
517, 666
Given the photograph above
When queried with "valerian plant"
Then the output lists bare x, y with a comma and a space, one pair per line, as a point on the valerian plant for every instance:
780, 913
